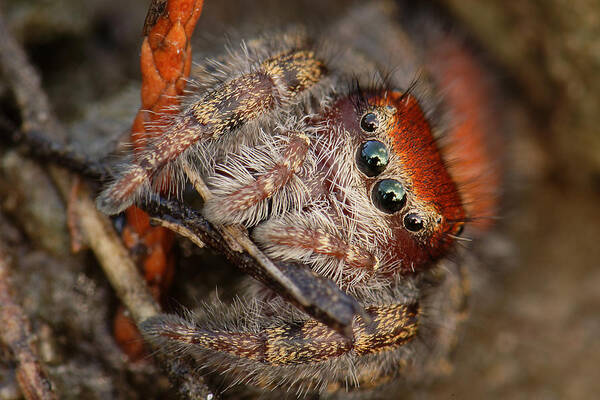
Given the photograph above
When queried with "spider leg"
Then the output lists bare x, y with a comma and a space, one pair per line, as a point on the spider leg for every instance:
282, 346
295, 237
302, 342
230, 208
318, 242
272, 84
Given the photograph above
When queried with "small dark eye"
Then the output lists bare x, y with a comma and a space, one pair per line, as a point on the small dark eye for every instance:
413, 222
372, 157
459, 229
389, 196
369, 122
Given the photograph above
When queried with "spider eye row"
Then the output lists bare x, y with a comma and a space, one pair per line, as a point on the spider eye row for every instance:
388, 195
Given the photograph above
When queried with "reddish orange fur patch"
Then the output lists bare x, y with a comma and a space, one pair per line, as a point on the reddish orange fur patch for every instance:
470, 140
418, 151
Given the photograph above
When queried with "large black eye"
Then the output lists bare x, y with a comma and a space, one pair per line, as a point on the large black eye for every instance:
372, 157
389, 196
369, 122
413, 222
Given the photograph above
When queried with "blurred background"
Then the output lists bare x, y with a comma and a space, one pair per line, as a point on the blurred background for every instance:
534, 325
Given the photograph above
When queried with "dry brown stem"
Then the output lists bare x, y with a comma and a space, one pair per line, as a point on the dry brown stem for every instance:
16, 335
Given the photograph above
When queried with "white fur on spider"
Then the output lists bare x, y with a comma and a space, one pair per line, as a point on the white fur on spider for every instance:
352, 240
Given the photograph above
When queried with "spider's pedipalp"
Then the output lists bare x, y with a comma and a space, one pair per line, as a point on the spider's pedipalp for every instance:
285, 240
227, 208
272, 84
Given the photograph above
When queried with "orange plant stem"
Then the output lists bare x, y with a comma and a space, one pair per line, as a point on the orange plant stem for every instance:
165, 60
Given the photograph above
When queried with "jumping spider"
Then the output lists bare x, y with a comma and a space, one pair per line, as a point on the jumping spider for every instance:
360, 153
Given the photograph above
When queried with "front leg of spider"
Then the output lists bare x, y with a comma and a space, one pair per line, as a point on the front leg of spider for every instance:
269, 86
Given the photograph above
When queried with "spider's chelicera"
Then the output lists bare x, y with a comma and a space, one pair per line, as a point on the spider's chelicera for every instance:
330, 163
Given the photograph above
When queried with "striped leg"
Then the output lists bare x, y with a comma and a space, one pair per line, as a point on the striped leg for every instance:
316, 240
230, 207
267, 343
302, 342
232, 104
281, 240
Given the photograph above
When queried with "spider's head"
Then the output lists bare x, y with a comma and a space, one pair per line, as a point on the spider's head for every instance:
406, 182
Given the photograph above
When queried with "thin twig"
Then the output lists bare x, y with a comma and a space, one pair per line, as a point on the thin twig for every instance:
133, 292
116, 262
39, 145
33, 103
16, 335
